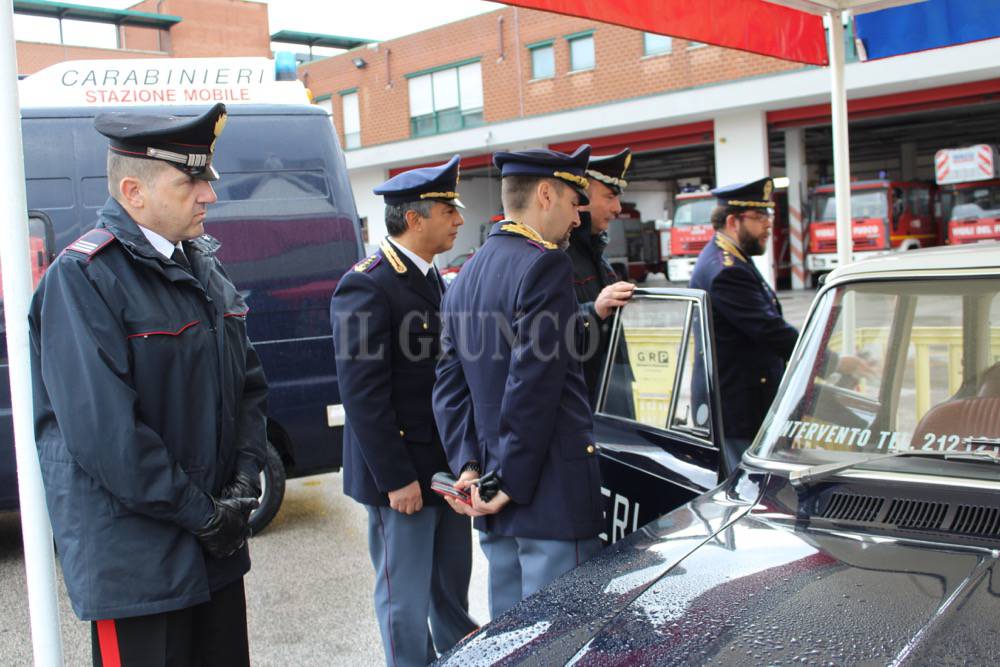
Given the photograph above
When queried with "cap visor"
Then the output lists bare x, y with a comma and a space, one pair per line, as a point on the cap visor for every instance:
210, 174
584, 199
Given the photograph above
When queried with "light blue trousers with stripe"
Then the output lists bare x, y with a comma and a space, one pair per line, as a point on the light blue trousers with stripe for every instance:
521, 566
423, 563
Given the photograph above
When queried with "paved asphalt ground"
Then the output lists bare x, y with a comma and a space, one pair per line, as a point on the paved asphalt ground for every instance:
308, 594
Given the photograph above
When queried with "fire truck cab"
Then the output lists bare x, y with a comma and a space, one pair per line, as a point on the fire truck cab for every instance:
885, 216
691, 228
970, 193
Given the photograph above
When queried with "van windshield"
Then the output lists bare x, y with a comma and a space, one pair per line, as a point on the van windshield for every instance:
887, 366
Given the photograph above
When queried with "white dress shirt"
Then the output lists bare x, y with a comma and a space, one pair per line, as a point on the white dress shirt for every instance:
160, 244
422, 264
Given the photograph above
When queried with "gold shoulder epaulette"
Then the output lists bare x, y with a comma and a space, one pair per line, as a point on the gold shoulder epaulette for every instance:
528, 233
393, 257
367, 264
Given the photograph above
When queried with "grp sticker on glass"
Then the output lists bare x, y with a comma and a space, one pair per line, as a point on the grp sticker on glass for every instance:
815, 435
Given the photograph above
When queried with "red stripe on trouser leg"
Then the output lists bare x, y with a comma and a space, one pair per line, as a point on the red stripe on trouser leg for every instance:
107, 639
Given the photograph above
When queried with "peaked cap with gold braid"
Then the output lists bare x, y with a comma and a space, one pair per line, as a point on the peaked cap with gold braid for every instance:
611, 169
182, 142
552, 164
438, 183
747, 195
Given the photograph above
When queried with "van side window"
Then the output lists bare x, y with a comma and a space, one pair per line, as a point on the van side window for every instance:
232, 187
47, 193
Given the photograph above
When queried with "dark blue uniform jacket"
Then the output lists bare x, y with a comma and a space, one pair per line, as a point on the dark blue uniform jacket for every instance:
510, 393
386, 328
148, 397
752, 339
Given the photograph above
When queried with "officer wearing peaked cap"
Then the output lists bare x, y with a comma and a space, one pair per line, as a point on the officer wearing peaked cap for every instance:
752, 339
386, 326
510, 398
150, 491
598, 289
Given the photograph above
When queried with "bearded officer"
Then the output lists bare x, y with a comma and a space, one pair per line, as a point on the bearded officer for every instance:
150, 407
385, 316
752, 339
510, 399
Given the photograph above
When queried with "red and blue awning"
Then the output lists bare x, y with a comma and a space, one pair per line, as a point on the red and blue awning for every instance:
793, 29
926, 25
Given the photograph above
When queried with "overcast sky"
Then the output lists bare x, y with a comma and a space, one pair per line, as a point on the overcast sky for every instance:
371, 19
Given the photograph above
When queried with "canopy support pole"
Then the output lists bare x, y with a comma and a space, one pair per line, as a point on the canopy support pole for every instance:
39, 560
841, 144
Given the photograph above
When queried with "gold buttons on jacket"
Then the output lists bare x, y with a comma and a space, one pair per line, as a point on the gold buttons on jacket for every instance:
424, 325
763, 380
401, 433
586, 324
591, 449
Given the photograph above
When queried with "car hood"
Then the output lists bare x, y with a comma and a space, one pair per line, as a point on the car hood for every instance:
732, 579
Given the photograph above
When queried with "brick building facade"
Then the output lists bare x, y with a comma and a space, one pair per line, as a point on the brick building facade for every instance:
208, 28
500, 40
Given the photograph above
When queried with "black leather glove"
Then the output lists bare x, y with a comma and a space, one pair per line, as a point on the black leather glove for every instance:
227, 530
242, 486
489, 486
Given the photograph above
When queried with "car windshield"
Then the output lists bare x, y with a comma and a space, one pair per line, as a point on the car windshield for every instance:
864, 204
889, 366
694, 212
976, 203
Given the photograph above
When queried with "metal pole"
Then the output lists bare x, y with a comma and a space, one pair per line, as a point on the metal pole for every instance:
39, 561
795, 168
841, 145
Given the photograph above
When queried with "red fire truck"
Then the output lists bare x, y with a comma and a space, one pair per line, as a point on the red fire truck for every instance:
885, 216
691, 229
970, 193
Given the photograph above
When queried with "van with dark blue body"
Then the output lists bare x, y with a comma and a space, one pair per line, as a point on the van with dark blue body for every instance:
289, 229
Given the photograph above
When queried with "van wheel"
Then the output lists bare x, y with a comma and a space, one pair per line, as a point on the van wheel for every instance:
272, 484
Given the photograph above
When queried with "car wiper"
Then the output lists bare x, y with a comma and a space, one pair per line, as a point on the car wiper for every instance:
800, 479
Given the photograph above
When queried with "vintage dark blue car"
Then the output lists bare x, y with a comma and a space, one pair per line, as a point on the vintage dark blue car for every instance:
863, 525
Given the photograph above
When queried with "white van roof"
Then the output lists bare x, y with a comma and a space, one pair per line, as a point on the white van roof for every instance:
158, 81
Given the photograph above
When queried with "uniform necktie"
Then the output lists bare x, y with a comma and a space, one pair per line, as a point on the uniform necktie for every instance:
179, 257
435, 280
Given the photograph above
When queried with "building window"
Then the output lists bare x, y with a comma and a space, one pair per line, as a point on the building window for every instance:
325, 102
543, 60
69, 32
352, 119
655, 45
581, 51
446, 99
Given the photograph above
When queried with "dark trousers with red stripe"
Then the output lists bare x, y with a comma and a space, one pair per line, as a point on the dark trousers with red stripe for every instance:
210, 634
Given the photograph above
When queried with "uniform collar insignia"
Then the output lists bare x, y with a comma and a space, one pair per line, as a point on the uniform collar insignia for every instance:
394, 259
527, 232
728, 246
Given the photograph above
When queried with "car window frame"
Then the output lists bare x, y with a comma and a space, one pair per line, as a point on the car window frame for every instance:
695, 298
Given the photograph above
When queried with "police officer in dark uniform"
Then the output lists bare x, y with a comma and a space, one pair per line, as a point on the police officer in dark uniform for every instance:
150, 407
510, 399
386, 326
752, 339
598, 289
